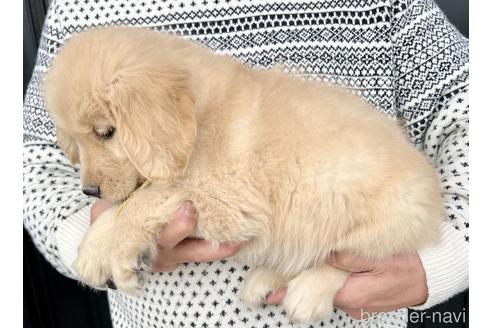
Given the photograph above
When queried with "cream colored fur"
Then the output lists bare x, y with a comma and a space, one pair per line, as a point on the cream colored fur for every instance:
294, 169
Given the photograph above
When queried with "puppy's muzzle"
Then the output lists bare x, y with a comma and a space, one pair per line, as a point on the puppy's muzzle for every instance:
93, 191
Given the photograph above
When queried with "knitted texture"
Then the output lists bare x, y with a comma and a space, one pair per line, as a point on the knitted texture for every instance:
403, 57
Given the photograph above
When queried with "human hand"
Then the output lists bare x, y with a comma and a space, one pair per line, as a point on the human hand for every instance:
396, 282
174, 248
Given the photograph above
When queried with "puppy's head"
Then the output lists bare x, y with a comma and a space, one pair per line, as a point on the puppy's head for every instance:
122, 109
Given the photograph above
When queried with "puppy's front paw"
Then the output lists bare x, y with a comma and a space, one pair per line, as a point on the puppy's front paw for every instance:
259, 282
130, 260
92, 267
134, 247
92, 263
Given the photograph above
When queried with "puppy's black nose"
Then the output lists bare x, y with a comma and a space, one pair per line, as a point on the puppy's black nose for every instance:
92, 191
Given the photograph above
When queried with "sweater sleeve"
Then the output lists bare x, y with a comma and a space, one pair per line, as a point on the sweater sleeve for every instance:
55, 212
446, 142
431, 77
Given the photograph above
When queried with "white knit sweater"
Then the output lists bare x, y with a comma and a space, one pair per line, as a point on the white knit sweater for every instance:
402, 56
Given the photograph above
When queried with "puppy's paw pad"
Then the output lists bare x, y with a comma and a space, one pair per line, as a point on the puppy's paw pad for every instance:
144, 261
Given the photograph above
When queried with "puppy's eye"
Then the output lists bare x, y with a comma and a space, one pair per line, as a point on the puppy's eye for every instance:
105, 133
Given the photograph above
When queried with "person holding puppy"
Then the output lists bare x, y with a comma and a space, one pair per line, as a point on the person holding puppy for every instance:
403, 57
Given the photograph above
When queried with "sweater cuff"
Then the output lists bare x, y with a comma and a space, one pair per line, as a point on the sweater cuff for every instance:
70, 234
446, 266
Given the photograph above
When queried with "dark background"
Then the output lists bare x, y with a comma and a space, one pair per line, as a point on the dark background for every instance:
54, 301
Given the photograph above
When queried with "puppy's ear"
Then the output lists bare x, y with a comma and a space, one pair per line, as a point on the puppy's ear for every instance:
154, 119
68, 146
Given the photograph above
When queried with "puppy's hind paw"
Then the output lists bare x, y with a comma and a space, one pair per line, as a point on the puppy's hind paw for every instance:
260, 282
303, 306
310, 294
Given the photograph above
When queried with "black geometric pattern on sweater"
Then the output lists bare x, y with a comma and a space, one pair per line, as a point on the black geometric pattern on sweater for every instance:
415, 96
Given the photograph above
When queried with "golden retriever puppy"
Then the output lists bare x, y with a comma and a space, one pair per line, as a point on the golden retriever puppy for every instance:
293, 169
